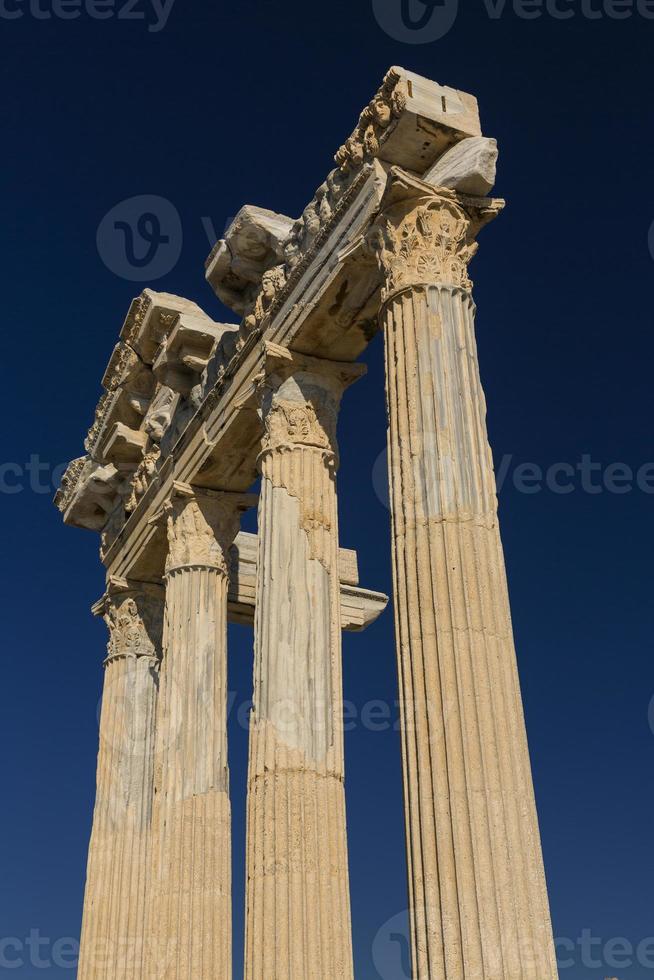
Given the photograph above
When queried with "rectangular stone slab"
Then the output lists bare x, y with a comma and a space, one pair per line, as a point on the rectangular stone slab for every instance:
359, 607
435, 117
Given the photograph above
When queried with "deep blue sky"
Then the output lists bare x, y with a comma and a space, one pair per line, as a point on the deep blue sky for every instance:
246, 103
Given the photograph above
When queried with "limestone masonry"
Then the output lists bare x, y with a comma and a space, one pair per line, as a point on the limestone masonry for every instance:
191, 413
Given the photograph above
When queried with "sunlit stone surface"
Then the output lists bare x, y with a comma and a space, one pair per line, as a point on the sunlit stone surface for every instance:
192, 411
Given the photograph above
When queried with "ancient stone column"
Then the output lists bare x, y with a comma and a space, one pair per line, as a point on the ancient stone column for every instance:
478, 900
114, 918
297, 905
191, 921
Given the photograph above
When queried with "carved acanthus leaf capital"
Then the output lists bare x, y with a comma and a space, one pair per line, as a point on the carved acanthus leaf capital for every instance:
133, 613
300, 398
201, 526
425, 235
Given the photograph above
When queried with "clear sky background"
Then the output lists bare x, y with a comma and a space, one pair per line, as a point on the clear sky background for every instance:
246, 102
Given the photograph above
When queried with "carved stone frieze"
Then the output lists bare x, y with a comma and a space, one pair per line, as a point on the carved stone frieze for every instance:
141, 479
69, 483
374, 124
160, 413
410, 122
139, 307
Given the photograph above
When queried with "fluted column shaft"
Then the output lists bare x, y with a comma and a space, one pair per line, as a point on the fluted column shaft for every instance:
191, 905
117, 884
298, 908
478, 900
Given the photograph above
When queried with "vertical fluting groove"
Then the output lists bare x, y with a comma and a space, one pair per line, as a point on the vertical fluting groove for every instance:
466, 695
477, 894
114, 919
499, 818
405, 683
191, 900
297, 902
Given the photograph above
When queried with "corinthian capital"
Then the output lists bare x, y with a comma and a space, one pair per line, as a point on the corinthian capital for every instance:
201, 526
133, 612
425, 235
300, 397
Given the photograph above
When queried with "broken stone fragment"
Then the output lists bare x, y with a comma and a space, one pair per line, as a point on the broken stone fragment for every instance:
89, 493
470, 167
253, 243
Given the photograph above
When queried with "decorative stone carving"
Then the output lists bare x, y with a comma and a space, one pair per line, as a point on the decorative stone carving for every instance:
69, 483
299, 397
151, 318
141, 480
201, 526
425, 235
290, 424
272, 282
410, 122
424, 244
160, 413
135, 622
364, 143
90, 493
186, 351
253, 243
124, 447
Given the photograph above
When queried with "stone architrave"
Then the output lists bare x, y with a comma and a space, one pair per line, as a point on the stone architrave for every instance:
114, 935
190, 920
297, 901
478, 901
